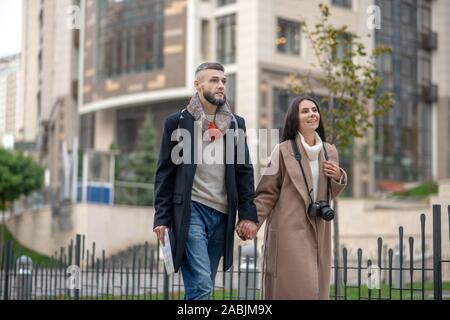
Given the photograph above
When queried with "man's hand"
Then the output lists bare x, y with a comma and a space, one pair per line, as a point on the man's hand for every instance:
160, 233
246, 229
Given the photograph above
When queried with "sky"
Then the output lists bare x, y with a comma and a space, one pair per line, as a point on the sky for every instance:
10, 26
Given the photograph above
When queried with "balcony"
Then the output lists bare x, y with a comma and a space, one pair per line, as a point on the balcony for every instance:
429, 93
429, 40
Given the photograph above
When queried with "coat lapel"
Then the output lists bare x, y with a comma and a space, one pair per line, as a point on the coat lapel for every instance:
187, 123
294, 171
229, 167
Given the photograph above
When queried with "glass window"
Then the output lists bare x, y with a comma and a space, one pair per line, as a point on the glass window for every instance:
342, 3
231, 90
344, 44
386, 8
281, 101
426, 70
99, 167
406, 13
426, 18
288, 37
130, 36
87, 124
221, 3
408, 38
384, 64
226, 39
206, 43
406, 66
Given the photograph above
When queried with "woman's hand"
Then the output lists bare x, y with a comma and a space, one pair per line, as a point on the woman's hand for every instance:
332, 170
246, 229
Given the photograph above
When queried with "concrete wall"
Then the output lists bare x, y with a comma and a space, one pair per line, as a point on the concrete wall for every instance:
112, 228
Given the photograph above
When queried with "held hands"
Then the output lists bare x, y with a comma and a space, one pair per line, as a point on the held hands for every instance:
331, 170
246, 229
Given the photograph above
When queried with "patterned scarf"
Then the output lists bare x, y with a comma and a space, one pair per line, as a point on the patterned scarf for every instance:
222, 120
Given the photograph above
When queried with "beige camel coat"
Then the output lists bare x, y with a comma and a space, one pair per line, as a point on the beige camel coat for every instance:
297, 249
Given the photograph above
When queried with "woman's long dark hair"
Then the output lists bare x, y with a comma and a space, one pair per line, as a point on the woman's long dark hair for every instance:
291, 124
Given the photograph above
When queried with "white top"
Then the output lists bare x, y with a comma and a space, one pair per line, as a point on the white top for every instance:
313, 156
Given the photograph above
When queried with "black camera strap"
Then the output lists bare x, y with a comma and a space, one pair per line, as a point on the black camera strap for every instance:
298, 157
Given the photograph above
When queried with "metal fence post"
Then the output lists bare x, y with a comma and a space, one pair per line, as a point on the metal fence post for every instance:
336, 277
437, 252
248, 282
7, 266
166, 285
77, 263
24, 280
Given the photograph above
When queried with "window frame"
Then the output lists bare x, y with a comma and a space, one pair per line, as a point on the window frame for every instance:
295, 50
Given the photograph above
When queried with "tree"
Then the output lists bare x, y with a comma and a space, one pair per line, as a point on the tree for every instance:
19, 175
349, 85
138, 166
115, 147
145, 156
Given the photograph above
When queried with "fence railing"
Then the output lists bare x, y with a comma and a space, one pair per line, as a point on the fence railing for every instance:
133, 193
78, 272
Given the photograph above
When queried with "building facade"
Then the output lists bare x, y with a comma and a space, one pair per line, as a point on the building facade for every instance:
441, 76
139, 57
30, 80
10, 112
50, 77
404, 135
134, 62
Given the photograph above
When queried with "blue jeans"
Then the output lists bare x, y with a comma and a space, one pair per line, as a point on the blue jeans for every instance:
204, 248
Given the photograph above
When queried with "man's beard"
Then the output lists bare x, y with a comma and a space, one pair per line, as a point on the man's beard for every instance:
217, 102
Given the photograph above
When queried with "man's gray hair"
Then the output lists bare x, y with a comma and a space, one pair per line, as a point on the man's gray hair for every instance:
209, 65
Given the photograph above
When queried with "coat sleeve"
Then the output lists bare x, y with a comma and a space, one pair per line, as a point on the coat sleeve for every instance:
336, 187
246, 186
164, 179
269, 186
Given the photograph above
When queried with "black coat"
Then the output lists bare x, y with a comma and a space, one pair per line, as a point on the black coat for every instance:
173, 188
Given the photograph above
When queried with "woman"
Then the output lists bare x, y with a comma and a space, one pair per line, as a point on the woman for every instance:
297, 251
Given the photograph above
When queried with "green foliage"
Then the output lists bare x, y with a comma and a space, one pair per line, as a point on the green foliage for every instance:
138, 166
421, 191
144, 160
349, 79
115, 147
19, 250
353, 293
19, 175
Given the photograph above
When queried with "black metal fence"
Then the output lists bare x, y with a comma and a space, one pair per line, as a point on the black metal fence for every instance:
77, 272
409, 276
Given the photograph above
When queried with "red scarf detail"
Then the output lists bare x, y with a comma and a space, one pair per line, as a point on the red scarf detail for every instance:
213, 132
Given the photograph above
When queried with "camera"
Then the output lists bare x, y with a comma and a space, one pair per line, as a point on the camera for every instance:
321, 209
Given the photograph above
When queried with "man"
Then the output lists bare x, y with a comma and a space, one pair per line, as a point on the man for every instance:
196, 199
